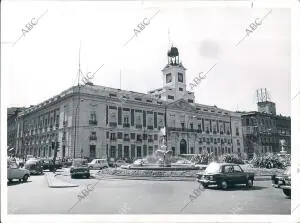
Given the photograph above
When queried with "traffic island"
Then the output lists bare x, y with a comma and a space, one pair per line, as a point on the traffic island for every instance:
53, 181
189, 175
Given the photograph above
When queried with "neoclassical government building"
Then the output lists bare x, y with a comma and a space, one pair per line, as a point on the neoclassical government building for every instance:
98, 122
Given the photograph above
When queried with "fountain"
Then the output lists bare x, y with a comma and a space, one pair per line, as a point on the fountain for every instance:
164, 154
283, 145
160, 160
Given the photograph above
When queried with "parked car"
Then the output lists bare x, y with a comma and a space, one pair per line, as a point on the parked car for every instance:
224, 175
98, 164
80, 168
48, 164
283, 181
111, 161
140, 162
66, 162
120, 163
15, 172
34, 166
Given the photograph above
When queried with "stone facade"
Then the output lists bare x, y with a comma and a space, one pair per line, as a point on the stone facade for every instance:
96, 121
263, 132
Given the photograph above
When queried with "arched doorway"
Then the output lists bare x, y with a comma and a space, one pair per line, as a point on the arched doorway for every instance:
183, 147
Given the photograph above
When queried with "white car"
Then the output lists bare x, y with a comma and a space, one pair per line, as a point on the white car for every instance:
15, 172
98, 164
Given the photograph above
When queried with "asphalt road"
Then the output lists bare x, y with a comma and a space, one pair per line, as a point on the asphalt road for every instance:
143, 197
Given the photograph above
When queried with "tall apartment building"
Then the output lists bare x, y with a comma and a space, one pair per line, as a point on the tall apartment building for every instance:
96, 121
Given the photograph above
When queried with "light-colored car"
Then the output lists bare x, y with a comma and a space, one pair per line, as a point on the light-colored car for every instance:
15, 172
183, 163
98, 164
140, 162
120, 163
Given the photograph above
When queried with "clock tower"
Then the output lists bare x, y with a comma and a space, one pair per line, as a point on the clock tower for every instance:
174, 80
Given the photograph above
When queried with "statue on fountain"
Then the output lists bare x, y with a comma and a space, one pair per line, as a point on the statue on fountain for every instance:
283, 145
164, 154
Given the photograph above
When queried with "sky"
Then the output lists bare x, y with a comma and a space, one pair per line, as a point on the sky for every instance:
45, 61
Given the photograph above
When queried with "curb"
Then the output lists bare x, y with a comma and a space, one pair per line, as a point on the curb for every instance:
56, 183
104, 177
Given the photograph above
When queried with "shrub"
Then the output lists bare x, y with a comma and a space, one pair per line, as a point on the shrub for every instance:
231, 158
270, 160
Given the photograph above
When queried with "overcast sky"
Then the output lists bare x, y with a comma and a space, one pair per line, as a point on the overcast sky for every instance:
45, 61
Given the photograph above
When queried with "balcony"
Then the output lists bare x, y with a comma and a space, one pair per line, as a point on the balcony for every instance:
126, 125
149, 127
93, 138
139, 141
127, 139
93, 122
113, 138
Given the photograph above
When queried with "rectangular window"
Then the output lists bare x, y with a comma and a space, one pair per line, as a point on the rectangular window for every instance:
155, 136
132, 135
182, 126
126, 151
144, 118
237, 131
190, 100
112, 151
150, 150
180, 89
132, 117
155, 119
132, 151
170, 97
120, 151
192, 126
169, 78
119, 116
180, 77
120, 135
144, 136
144, 150
139, 151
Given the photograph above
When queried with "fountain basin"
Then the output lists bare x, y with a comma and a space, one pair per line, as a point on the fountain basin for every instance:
160, 168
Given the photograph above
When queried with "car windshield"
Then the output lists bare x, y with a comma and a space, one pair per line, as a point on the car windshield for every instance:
213, 168
288, 171
93, 161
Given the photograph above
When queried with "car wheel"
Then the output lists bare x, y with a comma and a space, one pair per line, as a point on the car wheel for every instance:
249, 183
205, 185
287, 192
90, 167
224, 184
10, 181
25, 178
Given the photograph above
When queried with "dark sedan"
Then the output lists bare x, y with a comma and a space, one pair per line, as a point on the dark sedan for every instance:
80, 168
283, 181
224, 175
